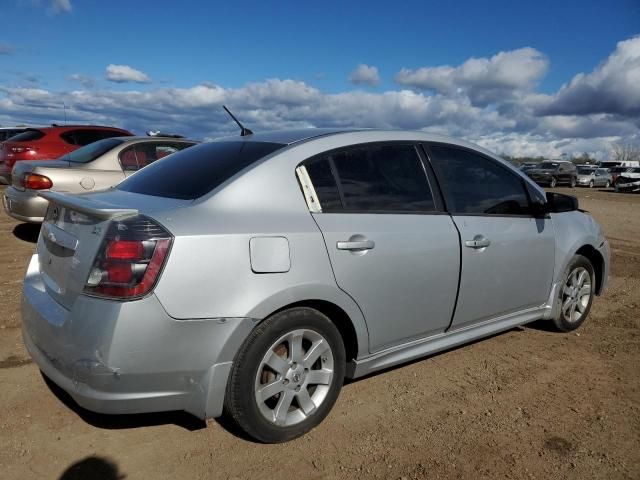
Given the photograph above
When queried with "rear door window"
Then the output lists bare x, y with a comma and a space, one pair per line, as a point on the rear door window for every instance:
373, 178
476, 185
194, 172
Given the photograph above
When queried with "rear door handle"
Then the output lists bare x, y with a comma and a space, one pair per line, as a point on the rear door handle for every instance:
357, 245
478, 241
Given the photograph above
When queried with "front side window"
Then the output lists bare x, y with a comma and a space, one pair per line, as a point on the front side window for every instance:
375, 178
473, 184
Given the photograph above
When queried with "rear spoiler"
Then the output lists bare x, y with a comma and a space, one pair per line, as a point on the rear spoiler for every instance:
97, 209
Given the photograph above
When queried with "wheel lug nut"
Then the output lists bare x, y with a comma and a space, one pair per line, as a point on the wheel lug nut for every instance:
294, 365
298, 388
285, 381
306, 370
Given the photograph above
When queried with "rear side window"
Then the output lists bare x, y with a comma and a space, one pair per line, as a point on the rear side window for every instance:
195, 171
28, 136
373, 178
145, 153
84, 137
324, 183
474, 184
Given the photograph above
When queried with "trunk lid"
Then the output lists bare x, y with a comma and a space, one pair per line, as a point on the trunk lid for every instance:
72, 234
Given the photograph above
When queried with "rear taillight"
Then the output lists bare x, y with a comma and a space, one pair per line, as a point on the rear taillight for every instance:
35, 181
22, 149
130, 259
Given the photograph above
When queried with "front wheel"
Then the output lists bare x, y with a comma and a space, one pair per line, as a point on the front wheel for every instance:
576, 294
608, 184
591, 184
287, 375
553, 182
573, 182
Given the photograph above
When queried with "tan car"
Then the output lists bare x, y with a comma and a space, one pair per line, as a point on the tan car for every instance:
96, 166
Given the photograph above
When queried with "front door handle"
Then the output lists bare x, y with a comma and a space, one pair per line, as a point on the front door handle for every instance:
356, 245
479, 241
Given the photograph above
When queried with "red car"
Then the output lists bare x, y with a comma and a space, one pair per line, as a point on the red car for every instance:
50, 143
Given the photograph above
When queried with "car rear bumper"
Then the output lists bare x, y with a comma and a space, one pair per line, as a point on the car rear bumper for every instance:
25, 206
129, 357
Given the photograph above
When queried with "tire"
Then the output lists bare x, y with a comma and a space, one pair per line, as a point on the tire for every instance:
553, 182
572, 183
576, 294
266, 359
608, 184
591, 184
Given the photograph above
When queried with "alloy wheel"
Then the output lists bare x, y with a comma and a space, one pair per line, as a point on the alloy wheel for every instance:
576, 294
294, 377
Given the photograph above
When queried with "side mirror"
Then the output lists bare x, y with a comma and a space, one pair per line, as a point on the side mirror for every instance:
559, 203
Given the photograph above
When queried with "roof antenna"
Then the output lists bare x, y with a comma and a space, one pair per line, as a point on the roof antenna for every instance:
243, 131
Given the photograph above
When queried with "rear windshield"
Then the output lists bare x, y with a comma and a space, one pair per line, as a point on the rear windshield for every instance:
28, 136
548, 165
92, 151
195, 171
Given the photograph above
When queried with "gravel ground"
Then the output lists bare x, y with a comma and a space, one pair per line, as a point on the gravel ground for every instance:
529, 403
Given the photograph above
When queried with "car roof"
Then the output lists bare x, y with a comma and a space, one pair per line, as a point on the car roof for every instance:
293, 136
288, 137
145, 138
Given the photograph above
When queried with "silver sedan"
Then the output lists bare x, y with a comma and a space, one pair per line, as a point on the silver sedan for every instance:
95, 166
251, 275
593, 177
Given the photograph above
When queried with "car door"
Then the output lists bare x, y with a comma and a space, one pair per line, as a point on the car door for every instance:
507, 254
391, 247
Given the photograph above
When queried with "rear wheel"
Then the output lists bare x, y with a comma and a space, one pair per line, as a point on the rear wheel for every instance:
608, 184
287, 375
553, 182
573, 182
576, 295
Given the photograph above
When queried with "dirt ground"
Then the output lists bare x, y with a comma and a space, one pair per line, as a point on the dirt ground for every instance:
529, 403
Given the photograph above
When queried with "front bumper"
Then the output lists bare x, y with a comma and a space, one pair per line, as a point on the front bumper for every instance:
129, 357
25, 206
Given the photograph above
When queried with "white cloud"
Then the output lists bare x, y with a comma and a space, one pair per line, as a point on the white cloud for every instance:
510, 123
613, 87
84, 80
484, 80
61, 6
6, 49
124, 73
365, 75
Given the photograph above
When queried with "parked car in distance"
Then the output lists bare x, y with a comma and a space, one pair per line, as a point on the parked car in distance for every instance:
625, 163
50, 143
8, 132
615, 172
628, 181
553, 173
593, 177
254, 273
96, 166
528, 166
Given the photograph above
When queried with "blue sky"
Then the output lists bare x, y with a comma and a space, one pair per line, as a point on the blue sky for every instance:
490, 71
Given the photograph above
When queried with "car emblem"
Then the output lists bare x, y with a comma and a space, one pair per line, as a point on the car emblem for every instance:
55, 213
97, 230
52, 237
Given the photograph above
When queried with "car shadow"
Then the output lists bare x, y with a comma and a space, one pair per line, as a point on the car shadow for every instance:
542, 326
27, 232
93, 467
125, 421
